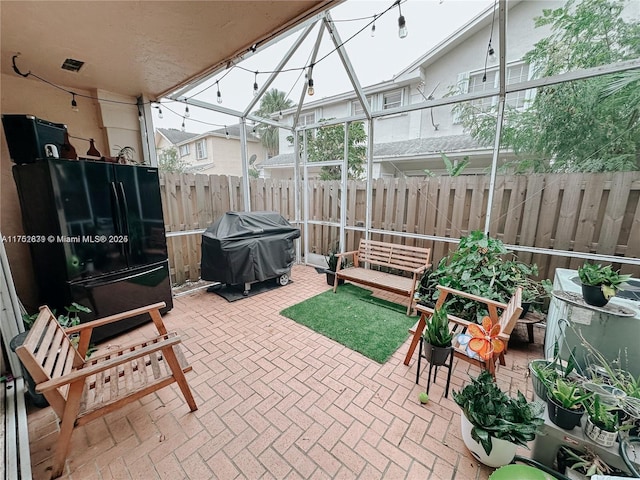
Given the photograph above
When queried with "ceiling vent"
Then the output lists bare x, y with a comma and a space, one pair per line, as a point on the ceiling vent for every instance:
72, 65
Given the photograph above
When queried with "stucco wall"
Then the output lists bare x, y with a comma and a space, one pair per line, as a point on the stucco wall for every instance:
26, 96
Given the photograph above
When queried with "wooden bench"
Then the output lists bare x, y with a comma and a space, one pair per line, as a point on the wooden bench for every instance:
82, 390
17, 459
371, 254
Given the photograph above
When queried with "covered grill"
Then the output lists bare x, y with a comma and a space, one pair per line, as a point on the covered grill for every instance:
246, 247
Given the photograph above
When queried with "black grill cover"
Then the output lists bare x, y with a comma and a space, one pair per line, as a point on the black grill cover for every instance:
244, 247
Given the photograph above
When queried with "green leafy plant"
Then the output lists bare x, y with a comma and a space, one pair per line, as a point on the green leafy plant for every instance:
569, 394
601, 415
494, 414
588, 462
481, 266
606, 277
549, 371
332, 261
69, 319
437, 331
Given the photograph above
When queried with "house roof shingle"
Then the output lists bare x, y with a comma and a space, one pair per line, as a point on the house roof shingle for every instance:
176, 136
405, 148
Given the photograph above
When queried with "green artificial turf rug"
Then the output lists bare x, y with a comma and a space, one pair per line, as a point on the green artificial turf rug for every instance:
359, 321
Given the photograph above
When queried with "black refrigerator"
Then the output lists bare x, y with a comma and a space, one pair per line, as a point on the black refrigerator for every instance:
96, 235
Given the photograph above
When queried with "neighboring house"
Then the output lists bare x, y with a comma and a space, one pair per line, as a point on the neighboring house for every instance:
407, 144
212, 153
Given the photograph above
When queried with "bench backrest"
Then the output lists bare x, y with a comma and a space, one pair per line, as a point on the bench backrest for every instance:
400, 257
510, 315
48, 353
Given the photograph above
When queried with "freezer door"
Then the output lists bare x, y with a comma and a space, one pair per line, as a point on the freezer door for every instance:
85, 199
143, 223
126, 290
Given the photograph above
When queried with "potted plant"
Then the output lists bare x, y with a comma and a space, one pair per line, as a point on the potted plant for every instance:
437, 337
545, 372
581, 465
565, 403
332, 266
600, 284
480, 265
602, 422
494, 424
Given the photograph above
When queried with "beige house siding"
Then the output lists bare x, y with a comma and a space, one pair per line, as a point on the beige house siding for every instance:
223, 155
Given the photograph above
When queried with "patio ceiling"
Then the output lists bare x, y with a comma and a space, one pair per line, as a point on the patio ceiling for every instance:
140, 47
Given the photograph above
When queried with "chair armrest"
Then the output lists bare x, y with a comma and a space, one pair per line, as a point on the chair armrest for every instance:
81, 373
470, 296
114, 318
465, 323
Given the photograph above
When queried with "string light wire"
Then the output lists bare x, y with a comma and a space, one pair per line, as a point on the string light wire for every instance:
229, 68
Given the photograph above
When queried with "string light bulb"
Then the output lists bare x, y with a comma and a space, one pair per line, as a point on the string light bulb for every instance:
219, 95
74, 104
310, 89
187, 114
226, 132
183, 127
373, 26
402, 24
159, 110
255, 85
492, 53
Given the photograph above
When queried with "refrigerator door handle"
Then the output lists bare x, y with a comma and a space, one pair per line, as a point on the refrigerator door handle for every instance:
125, 218
120, 279
115, 208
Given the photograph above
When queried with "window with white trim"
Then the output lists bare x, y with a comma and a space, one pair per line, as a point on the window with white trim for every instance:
391, 99
356, 107
201, 150
184, 150
306, 118
515, 73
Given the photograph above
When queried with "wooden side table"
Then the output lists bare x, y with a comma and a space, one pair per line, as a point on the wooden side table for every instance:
530, 319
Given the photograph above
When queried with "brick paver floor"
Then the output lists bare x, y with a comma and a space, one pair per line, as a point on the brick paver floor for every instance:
277, 400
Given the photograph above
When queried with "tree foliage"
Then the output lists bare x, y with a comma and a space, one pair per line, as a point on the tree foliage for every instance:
170, 162
590, 125
272, 101
327, 143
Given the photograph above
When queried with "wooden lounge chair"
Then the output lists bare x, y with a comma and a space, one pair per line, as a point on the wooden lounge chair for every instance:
80, 390
507, 320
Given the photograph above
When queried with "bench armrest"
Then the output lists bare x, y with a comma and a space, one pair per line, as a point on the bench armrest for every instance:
421, 269
344, 255
81, 373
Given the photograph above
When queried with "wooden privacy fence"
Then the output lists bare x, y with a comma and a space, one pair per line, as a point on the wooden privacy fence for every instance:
592, 213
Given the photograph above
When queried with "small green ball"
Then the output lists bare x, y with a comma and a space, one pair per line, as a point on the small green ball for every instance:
423, 397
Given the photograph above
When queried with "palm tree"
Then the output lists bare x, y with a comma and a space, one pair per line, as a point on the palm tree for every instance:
272, 101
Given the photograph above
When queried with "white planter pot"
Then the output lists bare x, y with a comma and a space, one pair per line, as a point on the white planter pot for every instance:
502, 452
599, 436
